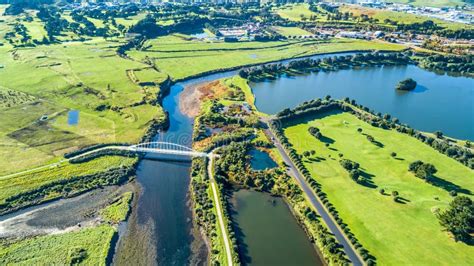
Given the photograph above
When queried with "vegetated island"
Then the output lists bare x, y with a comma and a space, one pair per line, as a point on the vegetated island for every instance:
406, 85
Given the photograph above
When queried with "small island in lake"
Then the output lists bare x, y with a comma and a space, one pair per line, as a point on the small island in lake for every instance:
406, 85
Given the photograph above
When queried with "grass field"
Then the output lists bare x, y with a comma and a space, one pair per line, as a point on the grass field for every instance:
181, 58
291, 31
296, 12
88, 77
17, 184
400, 17
396, 233
88, 247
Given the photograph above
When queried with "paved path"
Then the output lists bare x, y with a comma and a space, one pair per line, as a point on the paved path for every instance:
58, 163
317, 204
219, 211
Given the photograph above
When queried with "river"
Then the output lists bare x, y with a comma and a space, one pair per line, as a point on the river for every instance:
439, 102
160, 228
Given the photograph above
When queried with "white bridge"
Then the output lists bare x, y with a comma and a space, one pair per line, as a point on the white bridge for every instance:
165, 148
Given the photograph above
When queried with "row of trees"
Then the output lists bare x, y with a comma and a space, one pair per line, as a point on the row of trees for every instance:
462, 154
443, 145
449, 63
327, 64
297, 160
67, 187
233, 168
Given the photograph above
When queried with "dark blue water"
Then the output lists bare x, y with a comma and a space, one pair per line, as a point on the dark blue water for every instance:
261, 160
439, 102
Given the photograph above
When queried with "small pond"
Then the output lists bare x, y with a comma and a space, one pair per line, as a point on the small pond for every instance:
267, 232
260, 160
73, 117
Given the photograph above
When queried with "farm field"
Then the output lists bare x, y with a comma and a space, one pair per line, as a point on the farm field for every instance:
88, 77
88, 246
181, 58
395, 233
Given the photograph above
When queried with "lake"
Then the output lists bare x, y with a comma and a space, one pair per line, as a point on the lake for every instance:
439, 102
267, 232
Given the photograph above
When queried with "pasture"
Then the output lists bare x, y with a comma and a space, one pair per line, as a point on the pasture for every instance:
181, 57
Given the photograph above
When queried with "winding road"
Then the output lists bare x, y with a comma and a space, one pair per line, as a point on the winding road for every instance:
317, 204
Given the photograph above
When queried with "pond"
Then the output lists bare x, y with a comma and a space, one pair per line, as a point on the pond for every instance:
440, 102
267, 232
73, 117
260, 160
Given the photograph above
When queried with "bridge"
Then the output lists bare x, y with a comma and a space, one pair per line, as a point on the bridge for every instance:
157, 147
166, 148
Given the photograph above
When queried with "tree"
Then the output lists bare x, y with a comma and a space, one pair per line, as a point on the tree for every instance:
393, 154
395, 193
439, 134
406, 85
458, 219
422, 170
382, 191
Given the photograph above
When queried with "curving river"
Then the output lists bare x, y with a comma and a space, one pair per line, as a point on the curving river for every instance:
160, 230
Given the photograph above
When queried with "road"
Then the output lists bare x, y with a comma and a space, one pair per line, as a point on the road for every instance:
219, 211
317, 204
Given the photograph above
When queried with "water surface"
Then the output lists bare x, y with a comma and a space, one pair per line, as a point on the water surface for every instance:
267, 232
440, 102
260, 160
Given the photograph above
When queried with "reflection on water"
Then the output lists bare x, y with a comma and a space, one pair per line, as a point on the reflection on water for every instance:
267, 232
440, 102
261, 160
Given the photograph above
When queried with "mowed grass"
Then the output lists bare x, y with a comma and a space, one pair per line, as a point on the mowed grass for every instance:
61, 249
400, 17
295, 12
396, 233
291, 31
181, 58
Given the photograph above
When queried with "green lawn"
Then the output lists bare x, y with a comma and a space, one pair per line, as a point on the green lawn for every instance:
291, 31
61, 249
396, 233
181, 58
296, 12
